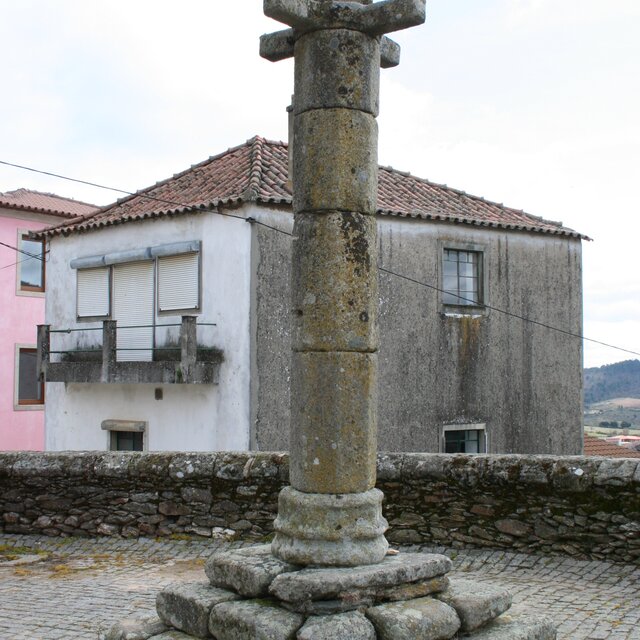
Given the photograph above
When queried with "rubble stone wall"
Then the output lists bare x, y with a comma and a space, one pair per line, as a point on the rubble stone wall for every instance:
583, 507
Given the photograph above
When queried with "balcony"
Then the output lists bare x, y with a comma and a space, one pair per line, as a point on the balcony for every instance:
182, 363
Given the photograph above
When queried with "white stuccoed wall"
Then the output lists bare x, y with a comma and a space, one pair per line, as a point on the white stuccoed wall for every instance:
189, 417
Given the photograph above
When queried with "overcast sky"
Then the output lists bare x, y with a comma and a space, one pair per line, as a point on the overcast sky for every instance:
534, 103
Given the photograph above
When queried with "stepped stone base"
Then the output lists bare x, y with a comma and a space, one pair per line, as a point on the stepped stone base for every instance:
255, 596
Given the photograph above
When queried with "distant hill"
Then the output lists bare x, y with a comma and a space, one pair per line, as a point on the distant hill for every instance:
619, 380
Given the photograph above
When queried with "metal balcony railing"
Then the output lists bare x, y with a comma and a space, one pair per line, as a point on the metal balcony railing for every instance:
184, 364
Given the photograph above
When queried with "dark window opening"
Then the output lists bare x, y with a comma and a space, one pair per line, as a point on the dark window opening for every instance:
30, 388
465, 441
126, 440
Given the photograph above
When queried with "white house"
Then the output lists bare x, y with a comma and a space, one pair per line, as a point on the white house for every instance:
461, 366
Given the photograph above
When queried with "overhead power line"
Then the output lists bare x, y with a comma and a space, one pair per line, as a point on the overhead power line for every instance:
26, 253
509, 313
252, 220
128, 193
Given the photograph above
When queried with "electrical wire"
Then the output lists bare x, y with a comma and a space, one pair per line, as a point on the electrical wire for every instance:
509, 313
252, 220
129, 193
26, 253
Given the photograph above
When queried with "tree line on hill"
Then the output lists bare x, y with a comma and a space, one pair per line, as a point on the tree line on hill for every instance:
619, 380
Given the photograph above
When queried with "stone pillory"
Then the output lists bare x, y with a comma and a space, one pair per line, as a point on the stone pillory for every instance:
331, 514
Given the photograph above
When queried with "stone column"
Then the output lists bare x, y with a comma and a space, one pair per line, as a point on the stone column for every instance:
331, 514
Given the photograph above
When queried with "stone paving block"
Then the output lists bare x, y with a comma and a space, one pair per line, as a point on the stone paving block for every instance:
423, 618
247, 571
330, 583
353, 625
475, 603
138, 628
516, 627
186, 606
254, 619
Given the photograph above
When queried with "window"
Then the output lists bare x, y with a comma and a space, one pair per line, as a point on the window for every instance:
462, 277
31, 264
173, 285
178, 282
29, 389
126, 441
464, 438
125, 435
93, 299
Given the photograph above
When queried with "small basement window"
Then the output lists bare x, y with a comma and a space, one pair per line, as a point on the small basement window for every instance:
127, 441
464, 438
126, 435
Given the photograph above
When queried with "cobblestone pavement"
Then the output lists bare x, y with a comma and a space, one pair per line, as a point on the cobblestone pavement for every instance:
76, 585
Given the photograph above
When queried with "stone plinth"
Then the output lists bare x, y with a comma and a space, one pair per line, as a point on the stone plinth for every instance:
406, 596
249, 572
475, 604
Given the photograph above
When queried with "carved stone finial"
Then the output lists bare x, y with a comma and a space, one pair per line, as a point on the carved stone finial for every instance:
374, 19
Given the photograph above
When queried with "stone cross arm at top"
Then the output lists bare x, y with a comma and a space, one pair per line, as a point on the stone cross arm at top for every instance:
375, 18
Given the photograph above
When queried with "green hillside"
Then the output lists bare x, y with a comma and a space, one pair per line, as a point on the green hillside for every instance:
619, 380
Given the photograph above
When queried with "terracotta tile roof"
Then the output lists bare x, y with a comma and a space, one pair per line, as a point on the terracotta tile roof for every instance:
258, 171
49, 203
597, 447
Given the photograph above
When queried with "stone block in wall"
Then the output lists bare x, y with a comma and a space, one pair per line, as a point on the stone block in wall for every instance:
192, 465
615, 472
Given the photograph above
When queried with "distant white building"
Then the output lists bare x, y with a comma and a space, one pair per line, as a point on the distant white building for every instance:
213, 242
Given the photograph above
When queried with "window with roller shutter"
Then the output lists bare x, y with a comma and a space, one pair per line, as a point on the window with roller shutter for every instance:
179, 282
126, 286
93, 299
133, 310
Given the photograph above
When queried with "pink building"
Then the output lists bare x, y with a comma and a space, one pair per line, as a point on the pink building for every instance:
22, 290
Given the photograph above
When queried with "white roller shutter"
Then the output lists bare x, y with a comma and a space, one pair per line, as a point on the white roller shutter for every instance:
93, 292
133, 307
179, 282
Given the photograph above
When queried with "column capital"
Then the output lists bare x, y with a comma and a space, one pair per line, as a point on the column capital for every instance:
279, 45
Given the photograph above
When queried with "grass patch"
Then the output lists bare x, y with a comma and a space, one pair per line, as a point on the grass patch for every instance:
9, 552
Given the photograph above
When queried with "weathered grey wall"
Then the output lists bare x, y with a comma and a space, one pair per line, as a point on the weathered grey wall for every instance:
522, 380
271, 334
583, 507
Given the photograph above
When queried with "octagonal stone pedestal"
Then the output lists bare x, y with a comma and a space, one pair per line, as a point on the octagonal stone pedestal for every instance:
252, 595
